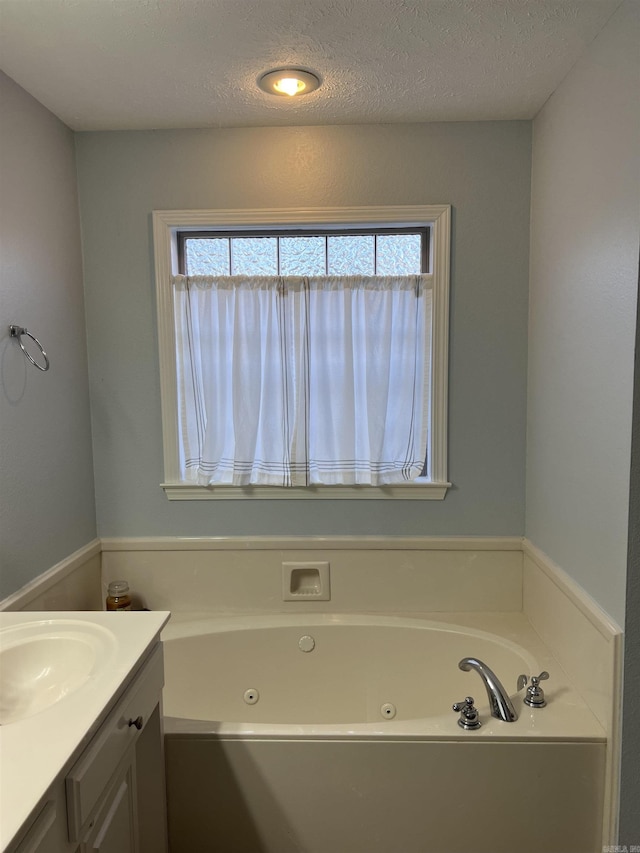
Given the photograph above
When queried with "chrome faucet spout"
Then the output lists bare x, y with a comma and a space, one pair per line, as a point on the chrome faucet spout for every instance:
499, 701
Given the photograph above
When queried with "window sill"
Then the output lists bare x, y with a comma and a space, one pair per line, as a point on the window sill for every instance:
411, 491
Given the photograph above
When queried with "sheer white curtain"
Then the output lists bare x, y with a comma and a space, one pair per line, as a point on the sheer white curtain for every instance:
292, 381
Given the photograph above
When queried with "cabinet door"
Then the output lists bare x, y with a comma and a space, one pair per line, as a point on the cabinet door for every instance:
115, 829
43, 834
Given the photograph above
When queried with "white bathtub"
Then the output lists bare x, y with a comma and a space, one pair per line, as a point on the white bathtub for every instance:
335, 734
363, 673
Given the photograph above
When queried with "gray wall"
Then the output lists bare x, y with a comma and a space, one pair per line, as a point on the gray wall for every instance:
583, 286
482, 169
46, 475
630, 793
581, 501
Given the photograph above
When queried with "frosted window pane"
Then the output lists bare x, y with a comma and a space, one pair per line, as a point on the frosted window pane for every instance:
398, 254
338, 254
352, 255
302, 256
207, 257
254, 256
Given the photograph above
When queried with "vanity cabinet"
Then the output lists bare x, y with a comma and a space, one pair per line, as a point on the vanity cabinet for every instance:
110, 798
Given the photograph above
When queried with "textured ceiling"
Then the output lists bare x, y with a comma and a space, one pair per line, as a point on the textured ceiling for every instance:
134, 64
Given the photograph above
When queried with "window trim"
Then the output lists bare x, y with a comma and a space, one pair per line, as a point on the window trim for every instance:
167, 224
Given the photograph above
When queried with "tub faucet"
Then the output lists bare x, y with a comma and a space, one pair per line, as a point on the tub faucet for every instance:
499, 701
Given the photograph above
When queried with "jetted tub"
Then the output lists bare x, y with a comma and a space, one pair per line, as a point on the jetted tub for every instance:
330, 674
335, 734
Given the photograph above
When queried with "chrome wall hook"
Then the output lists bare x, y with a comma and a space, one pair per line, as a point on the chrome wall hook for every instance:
17, 332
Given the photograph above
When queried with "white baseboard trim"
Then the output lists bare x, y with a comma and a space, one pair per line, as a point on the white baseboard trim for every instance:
19, 599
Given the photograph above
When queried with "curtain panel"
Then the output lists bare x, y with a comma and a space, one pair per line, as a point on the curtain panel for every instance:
294, 381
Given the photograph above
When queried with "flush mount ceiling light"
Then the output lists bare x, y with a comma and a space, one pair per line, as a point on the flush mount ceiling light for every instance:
289, 82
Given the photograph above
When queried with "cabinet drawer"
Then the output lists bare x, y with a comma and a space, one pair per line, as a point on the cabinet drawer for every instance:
89, 777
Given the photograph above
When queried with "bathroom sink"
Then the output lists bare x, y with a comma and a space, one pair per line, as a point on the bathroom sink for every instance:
43, 662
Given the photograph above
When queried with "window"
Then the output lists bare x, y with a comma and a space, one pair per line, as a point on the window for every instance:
398, 256
318, 252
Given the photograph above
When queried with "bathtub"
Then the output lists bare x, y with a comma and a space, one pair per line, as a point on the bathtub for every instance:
335, 734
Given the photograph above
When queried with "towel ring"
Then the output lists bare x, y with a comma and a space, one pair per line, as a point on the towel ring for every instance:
18, 332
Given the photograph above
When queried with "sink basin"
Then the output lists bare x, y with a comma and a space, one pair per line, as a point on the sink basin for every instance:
43, 662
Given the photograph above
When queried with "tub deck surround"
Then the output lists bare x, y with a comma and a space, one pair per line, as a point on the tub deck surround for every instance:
72, 584
383, 797
368, 573
470, 577
359, 664
345, 776
589, 645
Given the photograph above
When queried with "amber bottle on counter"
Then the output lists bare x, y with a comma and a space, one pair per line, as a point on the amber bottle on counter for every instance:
118, 597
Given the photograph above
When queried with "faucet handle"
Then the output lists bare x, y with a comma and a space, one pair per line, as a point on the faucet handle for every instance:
468, 714
535, 693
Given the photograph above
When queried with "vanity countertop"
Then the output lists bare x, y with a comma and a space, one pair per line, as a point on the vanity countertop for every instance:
35, 749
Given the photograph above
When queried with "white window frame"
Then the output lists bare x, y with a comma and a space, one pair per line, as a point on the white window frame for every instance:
167, 224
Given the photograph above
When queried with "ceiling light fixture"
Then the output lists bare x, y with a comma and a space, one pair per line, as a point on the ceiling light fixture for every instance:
289, 82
